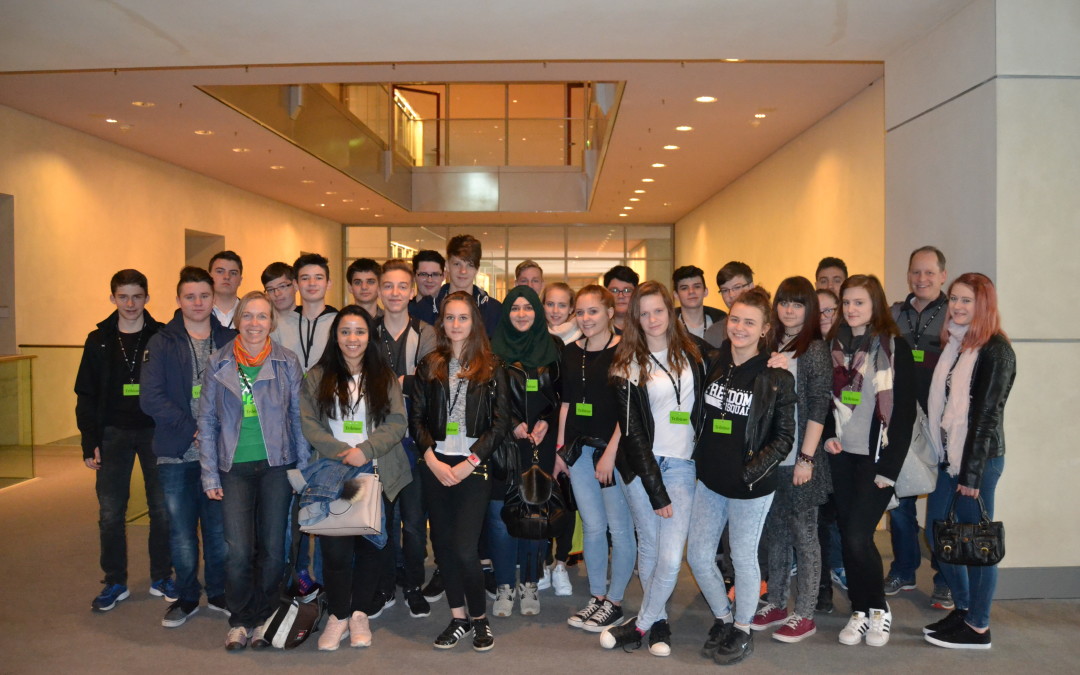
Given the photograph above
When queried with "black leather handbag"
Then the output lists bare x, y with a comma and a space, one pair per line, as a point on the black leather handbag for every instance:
534, 506
978, 544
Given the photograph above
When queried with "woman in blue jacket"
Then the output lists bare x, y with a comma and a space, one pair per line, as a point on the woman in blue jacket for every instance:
249, 436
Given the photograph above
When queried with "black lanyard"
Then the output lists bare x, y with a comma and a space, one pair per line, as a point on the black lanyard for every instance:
312, 325
245, 383
195, 355
389, 343
584, 351
133, 361
353, 407
704, 322
916, 335
453, 403
676, 384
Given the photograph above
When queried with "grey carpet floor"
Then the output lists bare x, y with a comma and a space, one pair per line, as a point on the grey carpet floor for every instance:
49, 575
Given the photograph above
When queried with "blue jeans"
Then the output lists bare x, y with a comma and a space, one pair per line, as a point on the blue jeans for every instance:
509, 553
119, 448
604, 510
661, 541
745, 519
972, 586
904, 532
255, 510
192, 512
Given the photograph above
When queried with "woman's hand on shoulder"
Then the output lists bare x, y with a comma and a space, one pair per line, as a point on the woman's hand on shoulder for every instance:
777, 360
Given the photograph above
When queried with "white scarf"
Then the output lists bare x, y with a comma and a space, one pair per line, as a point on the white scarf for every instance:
952, 415
567, 332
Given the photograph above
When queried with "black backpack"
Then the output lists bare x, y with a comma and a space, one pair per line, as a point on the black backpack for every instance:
534, 507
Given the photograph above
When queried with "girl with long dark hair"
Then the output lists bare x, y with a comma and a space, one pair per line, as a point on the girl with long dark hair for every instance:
460, 414
353, 414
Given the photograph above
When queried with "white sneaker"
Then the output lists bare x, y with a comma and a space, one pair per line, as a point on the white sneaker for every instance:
529, 595
560, 579
853, 632
545, 580
880, 625
504, 600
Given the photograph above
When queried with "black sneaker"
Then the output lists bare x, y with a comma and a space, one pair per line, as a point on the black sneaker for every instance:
418, 604
737, 645
954, 620
624, 635
178, 613
490, 584
717, 634
482, 637
434, 589
964, 637
824, 600
453, 633
382, 601
607, 615
660, 639
578, 620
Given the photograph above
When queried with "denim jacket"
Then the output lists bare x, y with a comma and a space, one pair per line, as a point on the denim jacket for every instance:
277, 397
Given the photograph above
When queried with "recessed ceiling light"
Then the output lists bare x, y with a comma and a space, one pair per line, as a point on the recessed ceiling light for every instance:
635, 199
365, 208
306, 181
623, 215
671, 147
143, 104
276, 167
378, 215
639, 192
347, 201
204, 132
331, 192
241, 149
111, 120
628, 208
706, 99
733, 60
684, 128
648, 180
760, 116
322, 204
667, 203
658, 165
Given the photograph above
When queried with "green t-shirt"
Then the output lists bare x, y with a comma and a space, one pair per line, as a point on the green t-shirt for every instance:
250, 447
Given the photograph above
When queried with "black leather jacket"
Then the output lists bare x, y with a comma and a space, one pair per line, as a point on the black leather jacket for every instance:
548, 385
487, 410
635, 458
991, 382
770, 424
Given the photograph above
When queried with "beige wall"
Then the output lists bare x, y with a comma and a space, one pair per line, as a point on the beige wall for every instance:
821, 194
85, 208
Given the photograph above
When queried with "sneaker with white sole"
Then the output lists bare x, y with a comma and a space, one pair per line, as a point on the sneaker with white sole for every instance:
258, 637
560, 580
452, 634
962, 637
434, 590
529, 597
333, 633
165, 588
768, 616
796, 629
880, 627
839, 577
585, 613
545, 579
359, 630
622, 635
951, 622
894, 585
178, 613
609, 614
236, 639
942, 598
855, 630
504, 600
660, 638
109, 596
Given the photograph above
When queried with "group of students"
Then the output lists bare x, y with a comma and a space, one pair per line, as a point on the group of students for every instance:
679, 429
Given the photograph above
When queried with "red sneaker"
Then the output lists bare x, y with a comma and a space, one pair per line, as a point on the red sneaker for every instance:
796, 629
768, 616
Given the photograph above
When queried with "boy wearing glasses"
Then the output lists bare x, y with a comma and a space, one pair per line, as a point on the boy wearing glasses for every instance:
621, 281
734, 279
429, 268
279, 283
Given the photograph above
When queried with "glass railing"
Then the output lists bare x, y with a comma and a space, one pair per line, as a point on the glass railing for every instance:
16, 420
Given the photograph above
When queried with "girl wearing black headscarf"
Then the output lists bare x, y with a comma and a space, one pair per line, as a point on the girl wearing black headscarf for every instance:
531, 356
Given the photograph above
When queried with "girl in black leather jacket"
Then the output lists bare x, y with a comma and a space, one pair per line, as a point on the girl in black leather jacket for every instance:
531, 357
747, 429
966, 411
460, 414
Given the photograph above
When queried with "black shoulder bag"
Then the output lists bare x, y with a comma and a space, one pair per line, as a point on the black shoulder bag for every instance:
978, 544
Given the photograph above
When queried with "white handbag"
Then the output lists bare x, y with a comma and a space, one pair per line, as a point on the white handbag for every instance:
919, 474
361, 514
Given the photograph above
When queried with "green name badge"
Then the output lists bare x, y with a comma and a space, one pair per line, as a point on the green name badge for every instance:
678, 417
532, 385
196, 391
919, 355
131, 390
583, 409
721, 426
451, 428
250, 410
851, 397
353, 426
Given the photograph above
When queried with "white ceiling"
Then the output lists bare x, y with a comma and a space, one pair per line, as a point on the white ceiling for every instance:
668, 53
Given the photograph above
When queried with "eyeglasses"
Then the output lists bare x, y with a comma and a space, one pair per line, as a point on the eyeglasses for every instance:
621, 291
733, 289
274, 290
429, 275
829, 312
